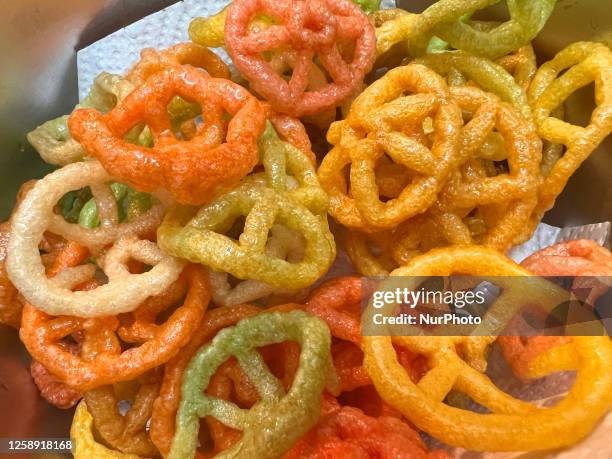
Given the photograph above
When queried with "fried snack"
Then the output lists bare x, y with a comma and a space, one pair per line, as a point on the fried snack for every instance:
583, 63
125, 291
54, 391
153, 61
279, 419
513, 425
447, 19
10, 306
348, 432
527, 18
338, 303
291, 130
84, 445
126, 433
488, 75
521, 64
505, 200
163, 418
53, 141
193, 171
383, 121
43, 336
372, 254
570, 258
335, 31
199, 237
291, 171
283, 244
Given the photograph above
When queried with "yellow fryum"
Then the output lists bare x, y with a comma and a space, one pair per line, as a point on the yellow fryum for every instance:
512, 425
84, 445
487, 74
586, 63
388, 118
52, 139
210, 31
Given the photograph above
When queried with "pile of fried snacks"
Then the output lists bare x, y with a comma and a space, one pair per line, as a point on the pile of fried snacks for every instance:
169, 278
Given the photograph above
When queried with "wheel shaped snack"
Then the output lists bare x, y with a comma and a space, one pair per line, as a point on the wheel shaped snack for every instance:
194, 171
272, 425
582, 63
383, 121
512, 424
124, 291
313, 28
200, 237
101, 359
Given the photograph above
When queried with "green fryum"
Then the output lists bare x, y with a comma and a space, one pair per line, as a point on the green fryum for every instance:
527, 18
274, 424
444, 20
368, 6
130, 204
52, 139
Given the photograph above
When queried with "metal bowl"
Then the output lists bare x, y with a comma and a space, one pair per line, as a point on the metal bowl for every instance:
38, 81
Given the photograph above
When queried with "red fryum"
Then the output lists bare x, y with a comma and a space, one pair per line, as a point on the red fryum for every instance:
571, 258
51, 388
329, 30
194, 171
348, 433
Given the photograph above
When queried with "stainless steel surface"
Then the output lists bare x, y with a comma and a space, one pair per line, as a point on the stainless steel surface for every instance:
38, 79
38, 39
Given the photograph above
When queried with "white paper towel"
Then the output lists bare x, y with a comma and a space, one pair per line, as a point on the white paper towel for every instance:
117, 52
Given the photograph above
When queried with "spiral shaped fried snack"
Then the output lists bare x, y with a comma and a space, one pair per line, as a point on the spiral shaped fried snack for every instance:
512, 425
127, 433
336, 32
446, 19
384, 121
124, 291
504, 200
194, 171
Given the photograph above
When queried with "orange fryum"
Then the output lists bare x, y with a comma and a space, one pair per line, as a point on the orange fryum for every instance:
43, 334
347, 432
194, 171
338, 303
126, 432
571, 258
334, 31
165, 407
153, 61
